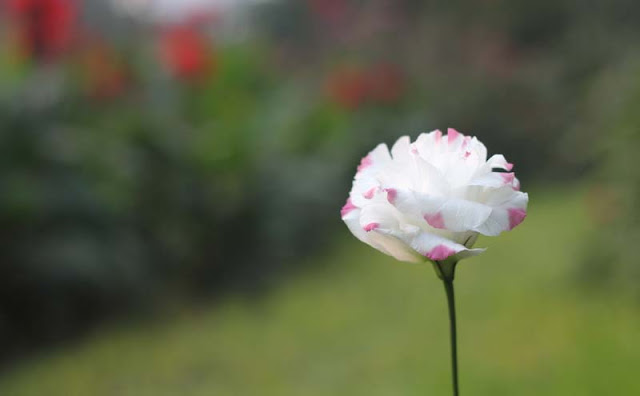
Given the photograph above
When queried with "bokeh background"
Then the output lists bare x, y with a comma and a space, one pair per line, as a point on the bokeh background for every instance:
172, 171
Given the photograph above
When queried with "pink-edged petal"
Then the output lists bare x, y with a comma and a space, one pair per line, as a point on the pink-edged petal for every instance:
494, 180
435, 220
379, 156
374, 225
352, 220
503, 201
380, 213
452, 135
440, 252
436, 247
457, 215
365, 162
498, 161
508, 178
393, 246
347, 208
437, 136
516, 216
383, 242
370, 193
392, 194
370, 227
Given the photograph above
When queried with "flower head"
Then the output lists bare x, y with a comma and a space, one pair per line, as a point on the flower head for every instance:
430, 199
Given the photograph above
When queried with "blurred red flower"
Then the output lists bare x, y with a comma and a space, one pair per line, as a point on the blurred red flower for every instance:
329, 10
348, 87
44, 28
104, 73
186, 52
386, 83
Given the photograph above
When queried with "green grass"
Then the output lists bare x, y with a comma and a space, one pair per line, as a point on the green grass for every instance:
362, 324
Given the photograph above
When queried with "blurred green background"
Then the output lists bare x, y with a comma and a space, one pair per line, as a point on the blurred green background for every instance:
171, 175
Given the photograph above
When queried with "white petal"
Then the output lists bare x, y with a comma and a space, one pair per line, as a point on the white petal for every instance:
495, 180
508, 211
382, 215
352, 220
498, 161
394, 247
479, 148
378, 158
380, 154
377, 222
460, 215
435, 247
401, 149
450, 214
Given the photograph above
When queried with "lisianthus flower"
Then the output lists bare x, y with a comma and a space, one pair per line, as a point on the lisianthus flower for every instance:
430, 199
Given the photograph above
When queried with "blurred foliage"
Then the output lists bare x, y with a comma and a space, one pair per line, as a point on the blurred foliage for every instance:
110, 203
164, 162
362, 324
614, 199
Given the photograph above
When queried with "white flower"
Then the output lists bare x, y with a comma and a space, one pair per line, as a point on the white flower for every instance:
431, 198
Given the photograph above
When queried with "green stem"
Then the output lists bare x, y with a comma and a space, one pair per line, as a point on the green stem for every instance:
448, 287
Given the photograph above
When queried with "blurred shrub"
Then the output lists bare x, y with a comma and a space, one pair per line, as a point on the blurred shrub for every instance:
117, 197
614, 198
138, 171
